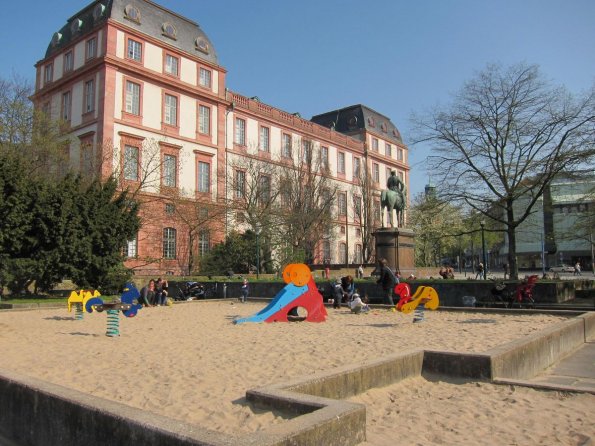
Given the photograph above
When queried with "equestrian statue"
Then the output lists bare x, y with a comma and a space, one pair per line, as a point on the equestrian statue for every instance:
394, 198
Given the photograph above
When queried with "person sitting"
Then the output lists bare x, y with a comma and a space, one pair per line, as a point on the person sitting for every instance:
147, 294
358, 305
160, 292
443, 272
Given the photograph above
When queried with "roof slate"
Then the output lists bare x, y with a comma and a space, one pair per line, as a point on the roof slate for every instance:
355, 118
152, 18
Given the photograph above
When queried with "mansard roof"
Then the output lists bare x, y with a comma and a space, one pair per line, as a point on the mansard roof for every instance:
357, 118
143, 15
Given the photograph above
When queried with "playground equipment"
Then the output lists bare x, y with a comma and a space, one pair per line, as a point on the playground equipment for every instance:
79, 301
89, 303
423, 295
300, 291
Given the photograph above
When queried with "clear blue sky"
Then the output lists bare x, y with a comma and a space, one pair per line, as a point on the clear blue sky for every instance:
395, 56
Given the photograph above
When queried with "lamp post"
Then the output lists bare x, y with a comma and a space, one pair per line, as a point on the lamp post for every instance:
483, 250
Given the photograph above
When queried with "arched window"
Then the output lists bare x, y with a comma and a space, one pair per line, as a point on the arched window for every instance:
342, 252
326, 251
358, 253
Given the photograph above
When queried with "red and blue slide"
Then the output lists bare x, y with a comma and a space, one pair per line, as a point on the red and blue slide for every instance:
300, 291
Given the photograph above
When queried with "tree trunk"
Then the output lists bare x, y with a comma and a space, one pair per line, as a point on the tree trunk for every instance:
190, 253
511, 232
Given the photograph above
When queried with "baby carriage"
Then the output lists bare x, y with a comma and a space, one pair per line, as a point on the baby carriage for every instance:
522, 295
524, 292
191, 290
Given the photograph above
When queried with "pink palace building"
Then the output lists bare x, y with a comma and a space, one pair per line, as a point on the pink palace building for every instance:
145, 99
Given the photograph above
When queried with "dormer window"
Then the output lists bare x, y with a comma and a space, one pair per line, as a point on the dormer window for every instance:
201, 45
132, 13
169, 30
383, 127
98, 11
371, 122
56, 38
76, 25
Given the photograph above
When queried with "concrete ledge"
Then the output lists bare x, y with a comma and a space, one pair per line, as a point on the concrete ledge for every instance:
464, 365
38, 413
589, 320
525, 358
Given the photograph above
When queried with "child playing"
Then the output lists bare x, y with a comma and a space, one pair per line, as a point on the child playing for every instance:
358, 305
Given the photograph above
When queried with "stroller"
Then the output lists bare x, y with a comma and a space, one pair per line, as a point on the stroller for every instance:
522, 295
191, 291
524, 292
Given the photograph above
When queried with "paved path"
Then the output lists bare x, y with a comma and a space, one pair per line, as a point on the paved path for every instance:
575, 371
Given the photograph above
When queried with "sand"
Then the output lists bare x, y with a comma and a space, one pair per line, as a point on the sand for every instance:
190, 362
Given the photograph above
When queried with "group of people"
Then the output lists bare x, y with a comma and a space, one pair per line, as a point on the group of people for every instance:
446, 272
344, 291
154, 294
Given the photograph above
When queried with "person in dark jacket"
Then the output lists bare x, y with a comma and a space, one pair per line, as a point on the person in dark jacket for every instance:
387, 281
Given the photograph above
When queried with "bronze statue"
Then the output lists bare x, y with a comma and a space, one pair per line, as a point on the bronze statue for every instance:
394, 197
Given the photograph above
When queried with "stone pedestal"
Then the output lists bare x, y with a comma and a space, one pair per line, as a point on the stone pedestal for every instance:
397, 246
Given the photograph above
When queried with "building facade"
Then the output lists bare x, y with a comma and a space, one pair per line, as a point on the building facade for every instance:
561, 230
146, 100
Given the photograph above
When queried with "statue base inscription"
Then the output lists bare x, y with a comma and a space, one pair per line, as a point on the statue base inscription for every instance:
397, 246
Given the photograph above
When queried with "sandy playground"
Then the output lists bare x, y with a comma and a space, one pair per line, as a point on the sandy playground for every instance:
190, 362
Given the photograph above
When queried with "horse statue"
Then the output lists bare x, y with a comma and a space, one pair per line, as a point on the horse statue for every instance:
392, 200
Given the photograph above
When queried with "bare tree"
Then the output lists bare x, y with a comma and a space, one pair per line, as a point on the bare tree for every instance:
201, 218
307, 195
364, 197
254, 184
503, 139
30, 131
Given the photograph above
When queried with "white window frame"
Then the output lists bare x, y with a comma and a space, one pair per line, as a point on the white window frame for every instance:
204, 177
131, 162
68, 61
131, 250
67, 105
204, 242
91, 48
170, 163
134, 50
48, 73
240, 184
286, 148
132, 98
265, 139
170, 111
204, 119
240, 131
341, 162
169, 243
89, 95
205, 77
172, 65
